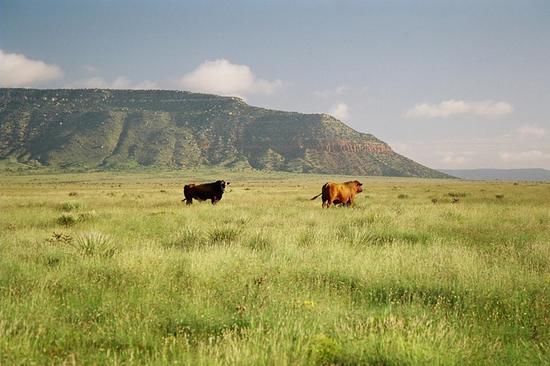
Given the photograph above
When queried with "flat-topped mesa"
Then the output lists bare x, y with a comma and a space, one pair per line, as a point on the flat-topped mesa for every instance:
119, 129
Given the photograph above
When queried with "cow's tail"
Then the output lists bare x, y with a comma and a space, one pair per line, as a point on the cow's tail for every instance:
316, 196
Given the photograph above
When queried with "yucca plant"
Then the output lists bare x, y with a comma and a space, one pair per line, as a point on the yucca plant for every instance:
95, 244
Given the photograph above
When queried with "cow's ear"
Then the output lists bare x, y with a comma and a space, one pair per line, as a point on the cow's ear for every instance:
227, 183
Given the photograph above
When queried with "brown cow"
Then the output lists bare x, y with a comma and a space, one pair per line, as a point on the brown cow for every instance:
344, 193
208, 191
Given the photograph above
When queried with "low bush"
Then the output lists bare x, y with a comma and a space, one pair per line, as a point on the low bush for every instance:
70, 206
67, 219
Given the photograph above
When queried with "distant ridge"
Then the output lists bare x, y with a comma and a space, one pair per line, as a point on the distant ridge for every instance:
120, 129
500, 174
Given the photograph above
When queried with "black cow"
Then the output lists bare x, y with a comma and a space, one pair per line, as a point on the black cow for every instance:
202, 192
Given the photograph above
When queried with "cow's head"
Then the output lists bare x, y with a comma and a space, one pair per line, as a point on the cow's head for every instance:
222, 184
358, 186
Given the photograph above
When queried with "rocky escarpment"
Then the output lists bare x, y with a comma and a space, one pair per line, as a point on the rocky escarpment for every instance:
350, 146
98, 128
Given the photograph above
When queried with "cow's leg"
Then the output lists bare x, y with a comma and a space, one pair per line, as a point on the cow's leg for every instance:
189, 201
214, 200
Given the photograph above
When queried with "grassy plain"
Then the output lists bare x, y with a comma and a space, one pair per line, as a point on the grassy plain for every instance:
106, 268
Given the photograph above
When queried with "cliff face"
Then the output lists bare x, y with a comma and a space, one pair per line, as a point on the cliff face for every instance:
122, 128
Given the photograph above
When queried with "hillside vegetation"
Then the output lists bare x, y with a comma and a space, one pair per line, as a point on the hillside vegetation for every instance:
108, 268
119, 129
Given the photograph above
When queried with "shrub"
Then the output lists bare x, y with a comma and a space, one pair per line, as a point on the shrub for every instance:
86, 216
60, 238
70, 206
457, 194
401, 196
67, 219
326, 350
52, 259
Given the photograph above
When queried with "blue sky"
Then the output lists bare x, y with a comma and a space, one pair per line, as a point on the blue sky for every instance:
451, 84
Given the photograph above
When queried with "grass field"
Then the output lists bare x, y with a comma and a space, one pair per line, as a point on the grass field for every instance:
108, 269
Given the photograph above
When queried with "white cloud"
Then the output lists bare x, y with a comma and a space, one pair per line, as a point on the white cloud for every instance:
400, 147
339, 90
118, 83
456, 159
145, 85
503, 151
17, 70
340, 111
531, 132
121, 83
456, 107
225, 78
531, 156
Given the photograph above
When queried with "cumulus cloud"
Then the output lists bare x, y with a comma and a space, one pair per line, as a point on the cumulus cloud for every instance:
145, 85
531, 156
225, 78
456, 159
459, 107
340, 111
400, 147
120, 82
17, 70
327, 93
531, 132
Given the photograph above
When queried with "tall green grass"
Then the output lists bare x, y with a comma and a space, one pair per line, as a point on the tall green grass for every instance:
267, 276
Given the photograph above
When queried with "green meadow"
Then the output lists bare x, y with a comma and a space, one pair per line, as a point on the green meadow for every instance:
113, 269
